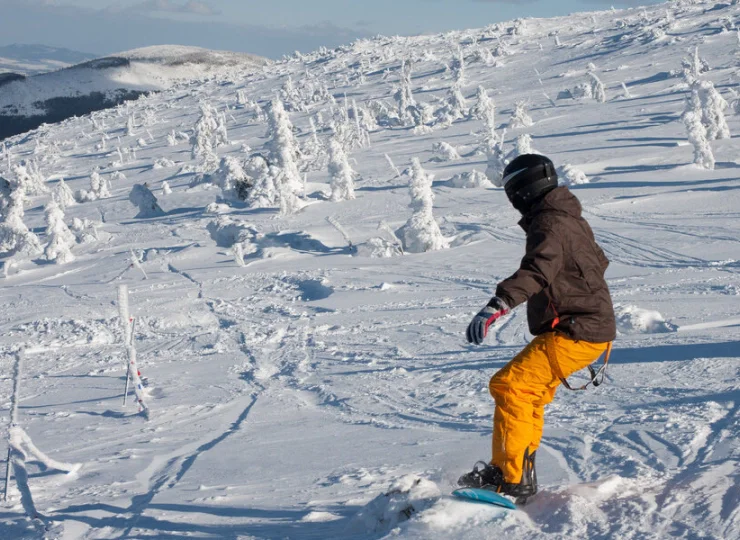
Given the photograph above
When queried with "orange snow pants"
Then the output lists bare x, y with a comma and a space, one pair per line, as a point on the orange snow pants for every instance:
523, 387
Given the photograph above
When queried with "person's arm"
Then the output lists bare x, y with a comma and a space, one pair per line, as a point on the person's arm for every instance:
542, 262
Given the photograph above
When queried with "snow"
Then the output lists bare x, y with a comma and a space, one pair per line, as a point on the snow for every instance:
299, 370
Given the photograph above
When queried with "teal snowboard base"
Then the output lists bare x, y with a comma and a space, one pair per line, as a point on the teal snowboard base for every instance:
484, 496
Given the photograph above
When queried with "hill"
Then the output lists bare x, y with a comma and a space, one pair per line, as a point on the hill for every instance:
28, 102
299, 365
34, 59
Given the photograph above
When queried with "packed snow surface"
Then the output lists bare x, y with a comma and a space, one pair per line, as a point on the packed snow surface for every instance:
306, 379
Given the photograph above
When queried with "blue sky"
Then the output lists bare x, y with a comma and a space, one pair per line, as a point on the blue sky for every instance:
270, 28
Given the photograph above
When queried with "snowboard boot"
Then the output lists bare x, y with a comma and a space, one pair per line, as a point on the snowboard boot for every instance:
484, 475
528, 485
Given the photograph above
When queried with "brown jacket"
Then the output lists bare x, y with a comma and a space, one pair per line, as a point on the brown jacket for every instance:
562, 274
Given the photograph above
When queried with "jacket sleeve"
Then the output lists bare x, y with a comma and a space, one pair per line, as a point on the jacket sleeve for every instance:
603, 261
542, 262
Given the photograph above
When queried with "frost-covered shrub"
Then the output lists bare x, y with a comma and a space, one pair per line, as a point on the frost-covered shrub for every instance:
421, 232
99, 189
380, 248
445, 152
570, 175
61, 239
163, 163
454, 108
520, 118
84, 230
472, 179
341, 173
142, 198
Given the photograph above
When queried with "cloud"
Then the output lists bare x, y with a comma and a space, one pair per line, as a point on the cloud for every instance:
193, 7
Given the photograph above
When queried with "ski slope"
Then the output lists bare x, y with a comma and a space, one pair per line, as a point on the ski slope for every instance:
289, 393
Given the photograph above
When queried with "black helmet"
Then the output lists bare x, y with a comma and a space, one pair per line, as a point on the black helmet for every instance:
527, 179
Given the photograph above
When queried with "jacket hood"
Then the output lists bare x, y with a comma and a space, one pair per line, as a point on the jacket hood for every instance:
559, 199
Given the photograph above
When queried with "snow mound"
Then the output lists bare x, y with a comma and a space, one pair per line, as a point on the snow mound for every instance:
407, 496
635, 320
472, 179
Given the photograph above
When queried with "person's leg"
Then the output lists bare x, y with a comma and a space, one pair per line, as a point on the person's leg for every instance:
522, 389
516, 388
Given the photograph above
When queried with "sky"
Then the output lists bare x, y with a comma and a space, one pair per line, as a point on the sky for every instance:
268, 28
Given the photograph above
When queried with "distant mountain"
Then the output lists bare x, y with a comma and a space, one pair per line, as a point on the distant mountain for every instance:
36, 59
26, 102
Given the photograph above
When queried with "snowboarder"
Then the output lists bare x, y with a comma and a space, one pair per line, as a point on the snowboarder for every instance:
570, 313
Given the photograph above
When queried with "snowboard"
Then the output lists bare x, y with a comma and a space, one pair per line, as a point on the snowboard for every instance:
484, 496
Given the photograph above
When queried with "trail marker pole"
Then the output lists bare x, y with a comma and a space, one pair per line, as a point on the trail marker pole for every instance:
133, 370
13, 414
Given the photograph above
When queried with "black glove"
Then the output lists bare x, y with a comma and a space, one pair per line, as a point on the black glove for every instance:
478, 327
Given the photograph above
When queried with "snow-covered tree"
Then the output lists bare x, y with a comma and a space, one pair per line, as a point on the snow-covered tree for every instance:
283, 159
458, 67
130, 126
241, 98
142, 197
403, 95
341, 173
485, 111
421, 232
597, 88
29, 178
693, 66
496, 162
221, 134
63, 195
313, 150
5, 191
713, 107
697, 134
522, 146
59, 247
520, 118
15, 237
208, 133
100, 186
232, 179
